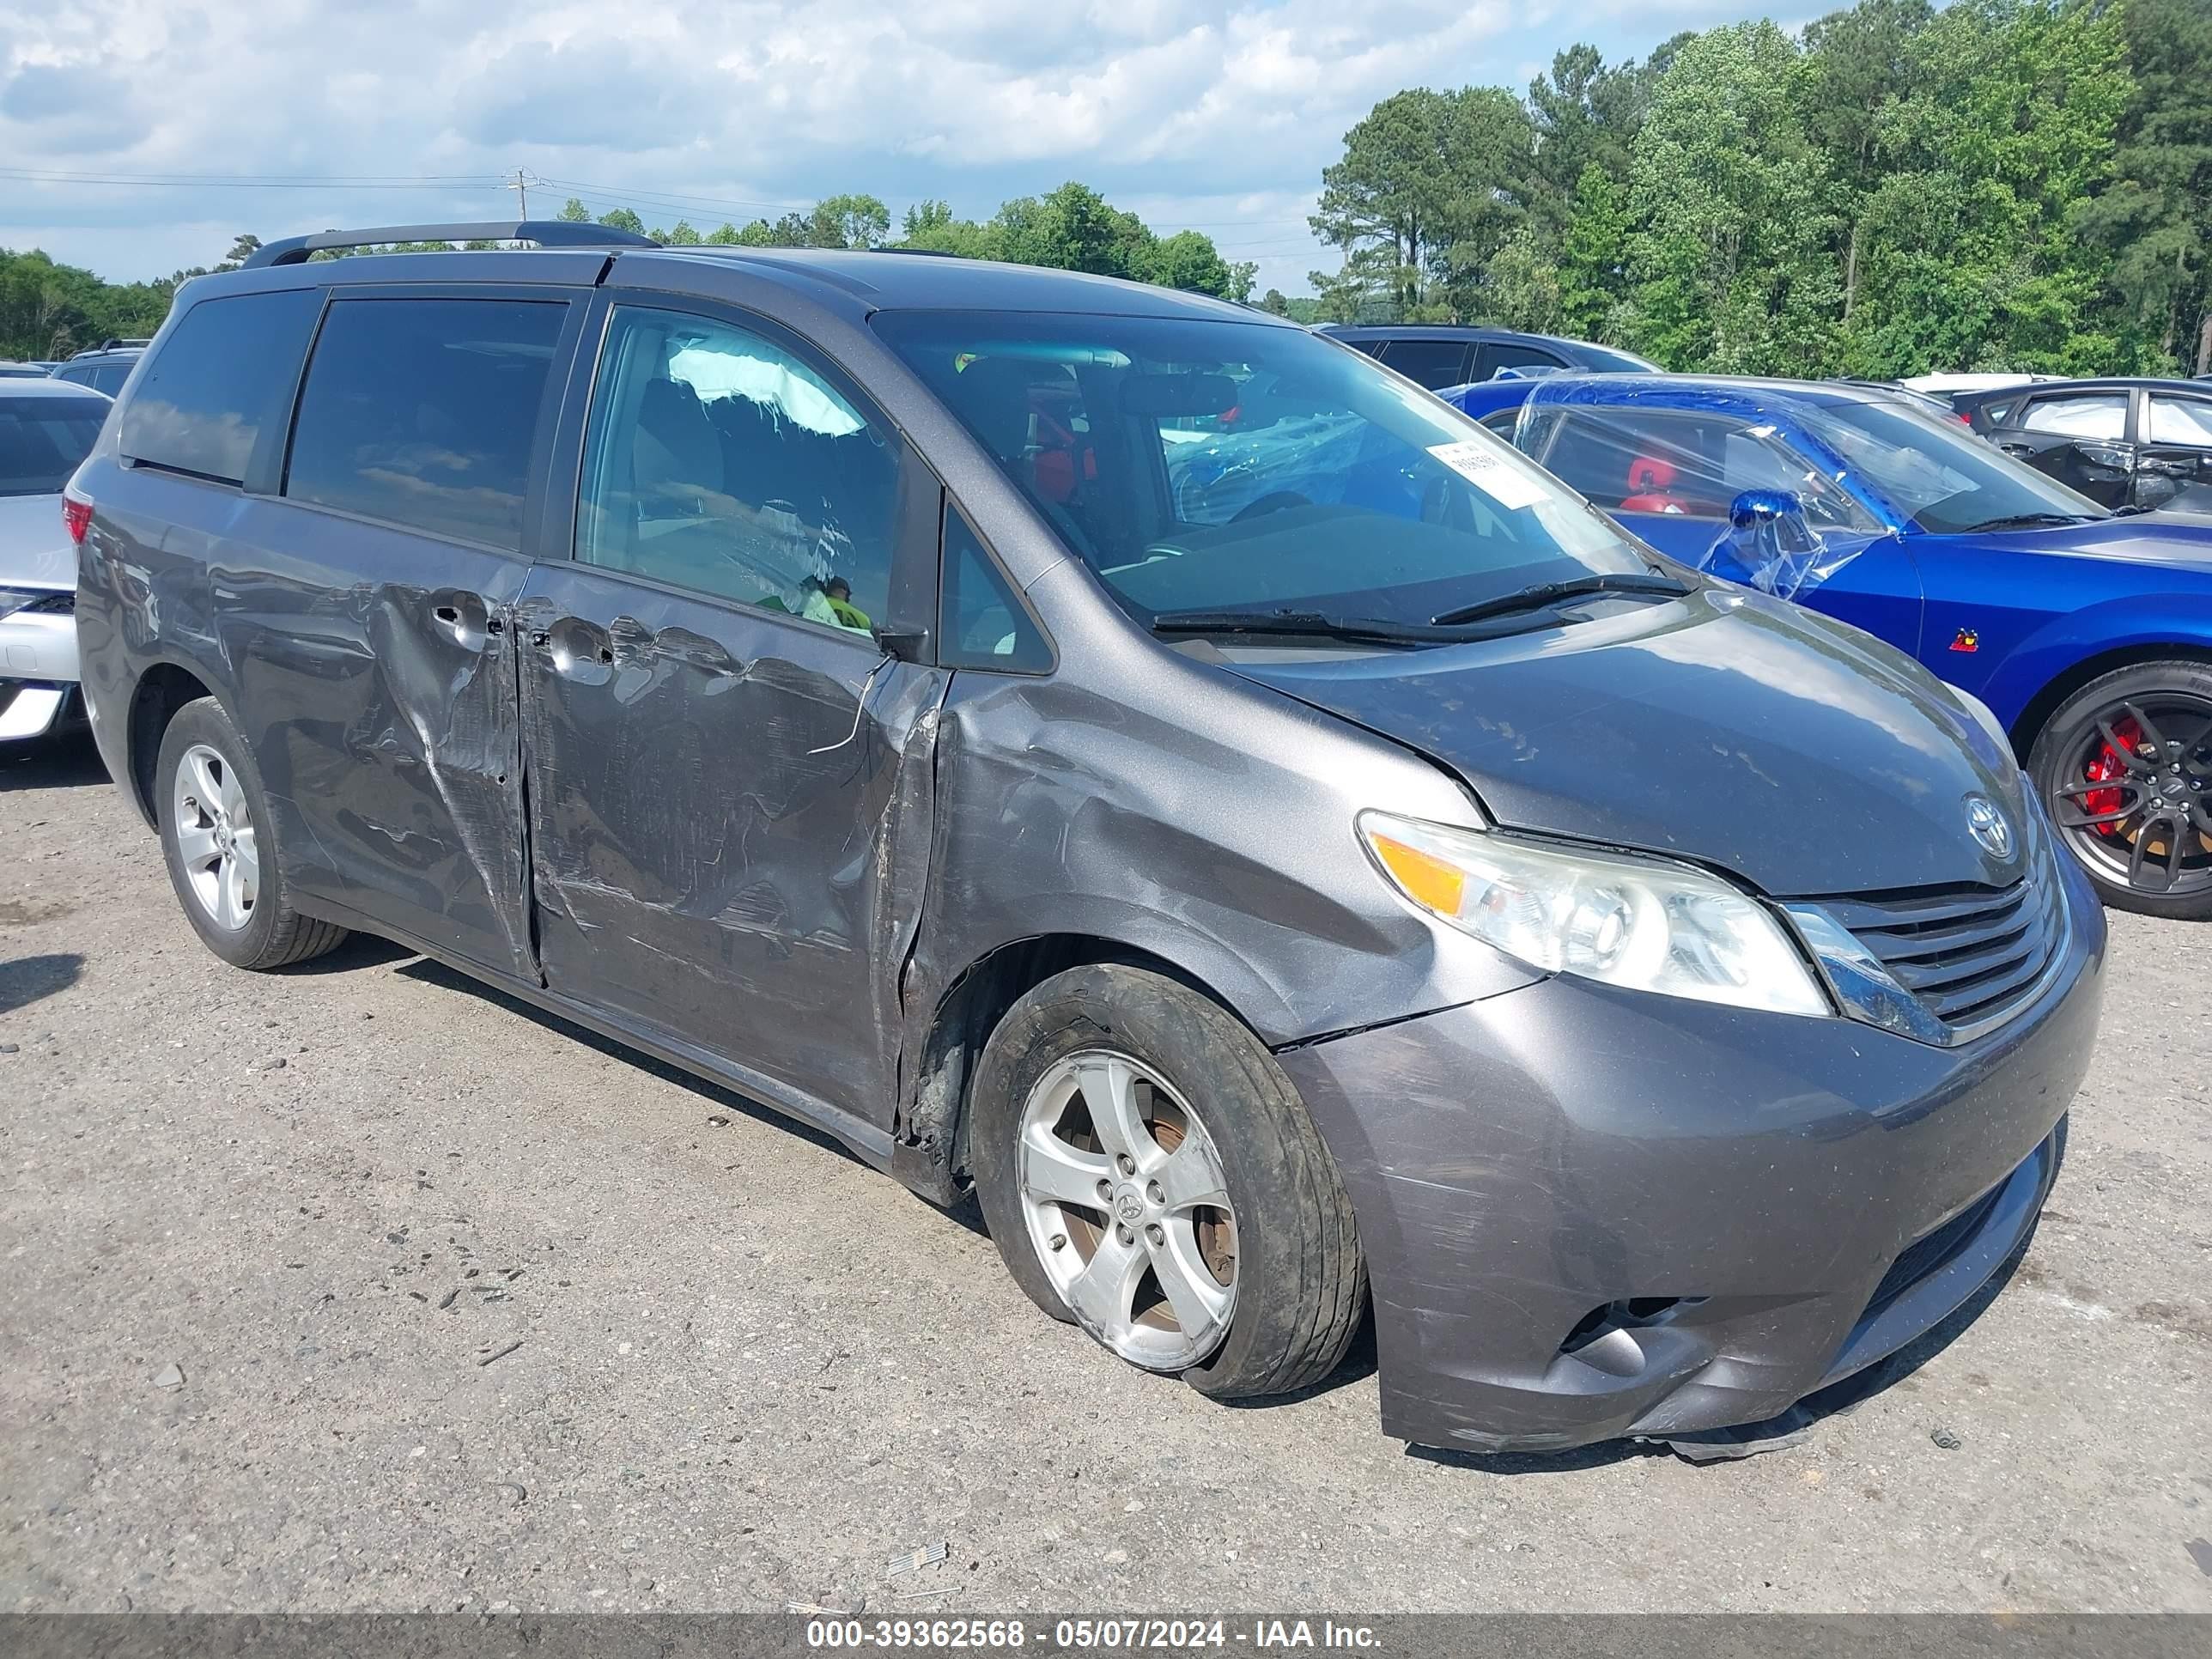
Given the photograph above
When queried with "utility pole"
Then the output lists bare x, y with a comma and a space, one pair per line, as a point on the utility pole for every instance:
521, 186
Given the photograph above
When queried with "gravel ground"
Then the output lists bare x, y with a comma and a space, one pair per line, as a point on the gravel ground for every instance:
358, 1287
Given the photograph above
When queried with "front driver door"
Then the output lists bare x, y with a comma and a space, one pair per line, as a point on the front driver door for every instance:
728, 780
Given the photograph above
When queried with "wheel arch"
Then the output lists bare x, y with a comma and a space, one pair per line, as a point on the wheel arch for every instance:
929, 1140
164, 687
2035, 713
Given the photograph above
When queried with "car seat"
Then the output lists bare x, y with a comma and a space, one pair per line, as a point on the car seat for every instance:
1651, 487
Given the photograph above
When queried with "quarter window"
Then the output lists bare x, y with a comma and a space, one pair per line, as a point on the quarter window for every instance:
719, 461
983, 625
225, 371
2101, 415
425, 413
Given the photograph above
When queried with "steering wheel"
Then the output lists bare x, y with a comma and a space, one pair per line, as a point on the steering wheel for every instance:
1275, 501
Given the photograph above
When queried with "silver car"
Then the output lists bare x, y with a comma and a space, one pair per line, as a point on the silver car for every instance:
47, 427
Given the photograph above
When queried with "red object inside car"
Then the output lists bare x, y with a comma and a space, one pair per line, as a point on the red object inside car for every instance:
1650, 486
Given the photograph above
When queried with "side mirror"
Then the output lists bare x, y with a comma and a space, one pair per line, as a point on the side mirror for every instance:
902, 644
1769, 544
1782, 509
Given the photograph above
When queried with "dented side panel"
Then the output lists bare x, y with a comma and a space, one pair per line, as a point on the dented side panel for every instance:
731, 825
370, 670
1171, 807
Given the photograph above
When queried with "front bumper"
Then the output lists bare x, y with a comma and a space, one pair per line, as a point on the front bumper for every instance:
37, 673
1590, 1214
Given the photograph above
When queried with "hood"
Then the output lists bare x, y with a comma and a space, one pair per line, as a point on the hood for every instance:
1726, 728
34, 544
2182, 539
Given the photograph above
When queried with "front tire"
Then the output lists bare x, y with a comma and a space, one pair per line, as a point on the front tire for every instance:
221, 849
2125, 766
1148, 1172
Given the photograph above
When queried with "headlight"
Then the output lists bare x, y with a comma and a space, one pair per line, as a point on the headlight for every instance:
13, 599
1642, 925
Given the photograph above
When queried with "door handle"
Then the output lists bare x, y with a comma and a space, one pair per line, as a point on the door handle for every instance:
463, 618
579, 650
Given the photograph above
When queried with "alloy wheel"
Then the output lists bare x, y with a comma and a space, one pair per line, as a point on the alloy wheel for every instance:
1127, 1207
2134, 793
215, 842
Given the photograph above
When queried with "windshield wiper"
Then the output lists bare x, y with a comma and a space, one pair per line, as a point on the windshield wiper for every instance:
1548, 593
1310, 623
2025, 521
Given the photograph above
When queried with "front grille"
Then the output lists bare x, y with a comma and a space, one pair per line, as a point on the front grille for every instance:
1967, 952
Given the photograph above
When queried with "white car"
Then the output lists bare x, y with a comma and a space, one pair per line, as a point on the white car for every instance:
47, 427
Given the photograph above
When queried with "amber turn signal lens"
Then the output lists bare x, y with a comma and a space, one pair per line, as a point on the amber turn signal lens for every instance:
1426, 878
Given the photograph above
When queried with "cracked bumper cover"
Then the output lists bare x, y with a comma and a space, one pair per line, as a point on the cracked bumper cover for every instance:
1519, 1163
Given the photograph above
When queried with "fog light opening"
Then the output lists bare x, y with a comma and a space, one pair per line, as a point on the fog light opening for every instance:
1604, 1337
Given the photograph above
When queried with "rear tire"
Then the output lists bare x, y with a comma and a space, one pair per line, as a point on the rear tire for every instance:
221, 845
2125, 767
1200, 1084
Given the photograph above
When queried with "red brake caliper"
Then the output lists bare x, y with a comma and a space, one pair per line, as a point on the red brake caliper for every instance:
2108, 765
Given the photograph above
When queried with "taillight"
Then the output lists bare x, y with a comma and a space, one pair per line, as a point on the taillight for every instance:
76, 514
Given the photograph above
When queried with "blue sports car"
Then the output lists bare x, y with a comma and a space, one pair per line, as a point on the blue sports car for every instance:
2087, 632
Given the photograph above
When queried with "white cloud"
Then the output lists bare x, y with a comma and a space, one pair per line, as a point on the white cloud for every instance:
1196, 112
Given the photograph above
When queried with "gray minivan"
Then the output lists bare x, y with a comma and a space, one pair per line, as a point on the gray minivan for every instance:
1122, 754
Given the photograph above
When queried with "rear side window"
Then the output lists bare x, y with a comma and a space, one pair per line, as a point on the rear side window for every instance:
1434, 363
425, 413
1509, 354
42, 439
2096, 414
223, 373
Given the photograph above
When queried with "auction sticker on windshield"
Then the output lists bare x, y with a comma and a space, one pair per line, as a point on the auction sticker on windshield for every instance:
1490, 472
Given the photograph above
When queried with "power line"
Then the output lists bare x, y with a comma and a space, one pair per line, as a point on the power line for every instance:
240, 181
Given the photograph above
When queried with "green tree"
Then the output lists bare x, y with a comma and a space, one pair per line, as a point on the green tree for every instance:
849, 222
1274, 301
1432, 185
1521, 286
1970, 255
1730, 265
2155, 219
573, 212
1187, 259
1593, 260
622, 218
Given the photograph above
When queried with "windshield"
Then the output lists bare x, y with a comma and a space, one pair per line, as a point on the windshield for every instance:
1222, 466
42, 439
1938, 471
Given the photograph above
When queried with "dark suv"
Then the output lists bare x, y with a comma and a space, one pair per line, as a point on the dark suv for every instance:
1438, 355
1114, 750
104, 367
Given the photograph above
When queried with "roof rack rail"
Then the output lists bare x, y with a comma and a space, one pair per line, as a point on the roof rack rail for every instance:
546, 233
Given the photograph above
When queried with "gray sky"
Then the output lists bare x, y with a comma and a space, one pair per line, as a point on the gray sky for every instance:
1212, 115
